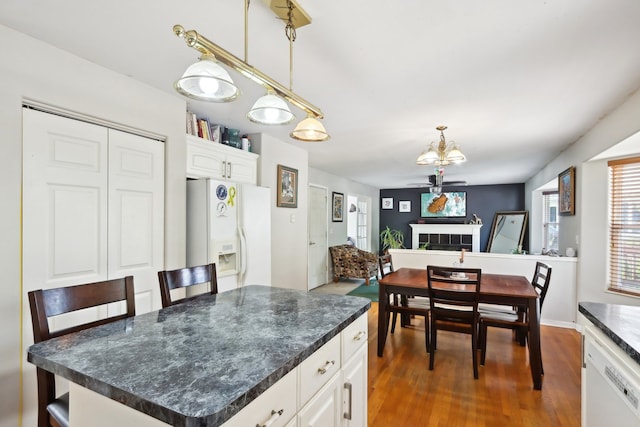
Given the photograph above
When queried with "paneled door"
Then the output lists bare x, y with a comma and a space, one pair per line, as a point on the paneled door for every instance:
136, 214
318, 247
93, 209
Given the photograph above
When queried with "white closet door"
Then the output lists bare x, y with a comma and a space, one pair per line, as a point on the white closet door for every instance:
136, 214
64, 219
64, 201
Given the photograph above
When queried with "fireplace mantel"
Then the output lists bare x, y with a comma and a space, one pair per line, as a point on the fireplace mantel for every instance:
472, 230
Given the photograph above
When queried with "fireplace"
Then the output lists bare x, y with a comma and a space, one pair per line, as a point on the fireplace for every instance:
451, 237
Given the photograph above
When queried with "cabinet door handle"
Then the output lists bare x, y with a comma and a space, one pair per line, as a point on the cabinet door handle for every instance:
326, 367
224, 169
229, 169
349, 388
359, 336
274, 416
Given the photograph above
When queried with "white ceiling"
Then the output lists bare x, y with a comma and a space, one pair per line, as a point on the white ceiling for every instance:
516, 82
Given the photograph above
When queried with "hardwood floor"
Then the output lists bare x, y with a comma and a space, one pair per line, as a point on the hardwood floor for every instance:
404, 393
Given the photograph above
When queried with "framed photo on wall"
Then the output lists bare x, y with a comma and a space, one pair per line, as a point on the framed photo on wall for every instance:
337, 207
387, 203
404, 206
566, 191
287, 187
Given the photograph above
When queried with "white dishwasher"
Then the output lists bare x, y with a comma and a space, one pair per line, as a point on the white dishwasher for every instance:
610, 383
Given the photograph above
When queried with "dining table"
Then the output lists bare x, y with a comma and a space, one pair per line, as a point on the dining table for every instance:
499, 289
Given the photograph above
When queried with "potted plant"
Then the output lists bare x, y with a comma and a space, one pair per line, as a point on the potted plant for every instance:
391, 239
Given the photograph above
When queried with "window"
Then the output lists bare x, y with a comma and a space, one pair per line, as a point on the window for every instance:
624, 225
550, 220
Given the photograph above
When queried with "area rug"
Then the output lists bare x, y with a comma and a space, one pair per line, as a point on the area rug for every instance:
370, 291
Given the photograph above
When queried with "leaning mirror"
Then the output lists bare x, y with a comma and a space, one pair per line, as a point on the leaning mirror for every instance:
507, 231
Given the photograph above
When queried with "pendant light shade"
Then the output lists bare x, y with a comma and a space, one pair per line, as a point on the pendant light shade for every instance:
427, 157
310, 130
206, 80
455, 155
270, 110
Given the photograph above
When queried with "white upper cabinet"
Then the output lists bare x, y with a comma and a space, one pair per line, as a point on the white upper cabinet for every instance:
207, 159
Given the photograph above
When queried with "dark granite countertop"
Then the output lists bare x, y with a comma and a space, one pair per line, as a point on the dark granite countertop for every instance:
200, 362
621, 323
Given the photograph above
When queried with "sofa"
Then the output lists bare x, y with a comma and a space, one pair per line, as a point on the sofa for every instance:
351, 262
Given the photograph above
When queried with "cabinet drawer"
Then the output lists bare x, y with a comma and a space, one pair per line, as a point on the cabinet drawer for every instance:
319, 368
279, 397
354, 336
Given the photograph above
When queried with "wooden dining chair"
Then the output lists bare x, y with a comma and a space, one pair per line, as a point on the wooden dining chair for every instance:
518, 321
385, 265
183, 278
53, 411
453, 295
403, 306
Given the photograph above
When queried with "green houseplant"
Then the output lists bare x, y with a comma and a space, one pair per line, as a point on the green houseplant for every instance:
391, 239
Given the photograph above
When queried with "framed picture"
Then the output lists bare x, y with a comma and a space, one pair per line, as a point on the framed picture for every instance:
287, 187
404, 206
387, 203
566, 191
444, 205
337, 207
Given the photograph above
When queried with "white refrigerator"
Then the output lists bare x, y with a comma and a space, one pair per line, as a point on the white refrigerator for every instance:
229, 224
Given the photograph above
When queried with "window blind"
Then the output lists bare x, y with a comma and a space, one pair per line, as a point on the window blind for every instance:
624, 225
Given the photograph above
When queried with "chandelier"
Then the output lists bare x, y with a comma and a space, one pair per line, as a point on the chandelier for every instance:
443, 154
207, 80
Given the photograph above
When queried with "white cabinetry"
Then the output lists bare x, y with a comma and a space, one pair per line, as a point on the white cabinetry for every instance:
207, 159
329, 387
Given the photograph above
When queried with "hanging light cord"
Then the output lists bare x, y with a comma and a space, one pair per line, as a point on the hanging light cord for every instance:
246, 30
290, 32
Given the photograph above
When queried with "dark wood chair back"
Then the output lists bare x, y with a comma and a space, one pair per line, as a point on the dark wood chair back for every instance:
541, 279
385, 265
453, 295
47, 303
183, 278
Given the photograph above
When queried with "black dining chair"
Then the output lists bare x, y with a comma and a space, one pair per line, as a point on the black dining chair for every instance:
453, 295
53, 411
184, 278
518, 320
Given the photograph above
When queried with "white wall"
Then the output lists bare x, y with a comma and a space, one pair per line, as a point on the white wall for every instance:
590, 220
288, 225
338, 230
32, 69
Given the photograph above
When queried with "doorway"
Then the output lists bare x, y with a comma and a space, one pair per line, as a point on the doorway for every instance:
358, 221
318, 239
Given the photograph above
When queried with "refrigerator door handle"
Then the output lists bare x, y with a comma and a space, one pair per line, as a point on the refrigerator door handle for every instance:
224, 169
243, 254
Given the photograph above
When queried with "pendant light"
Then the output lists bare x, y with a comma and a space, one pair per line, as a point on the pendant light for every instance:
270, 110
441, 155
310, 130
206, 80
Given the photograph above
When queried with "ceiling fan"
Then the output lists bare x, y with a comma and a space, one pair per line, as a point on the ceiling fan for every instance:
431, 181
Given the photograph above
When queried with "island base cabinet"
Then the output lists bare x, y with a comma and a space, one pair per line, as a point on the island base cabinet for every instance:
273, 408
88, 408
325, 408
354, 393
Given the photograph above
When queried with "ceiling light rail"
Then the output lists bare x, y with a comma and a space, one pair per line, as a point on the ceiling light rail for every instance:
205, 46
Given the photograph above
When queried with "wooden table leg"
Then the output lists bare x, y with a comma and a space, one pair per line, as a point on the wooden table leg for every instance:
383, 301
535, 354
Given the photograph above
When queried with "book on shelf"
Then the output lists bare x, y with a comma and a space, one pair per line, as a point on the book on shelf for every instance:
192, 127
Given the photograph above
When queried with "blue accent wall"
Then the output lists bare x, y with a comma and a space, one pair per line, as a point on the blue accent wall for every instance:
482, 200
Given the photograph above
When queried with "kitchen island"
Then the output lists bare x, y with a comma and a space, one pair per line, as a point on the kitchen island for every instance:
200, 362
